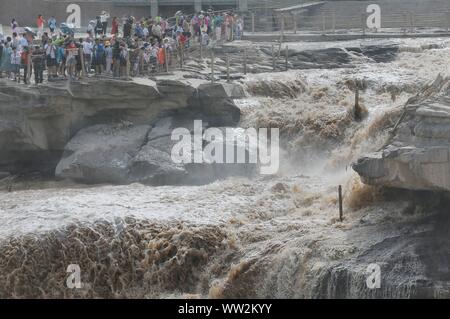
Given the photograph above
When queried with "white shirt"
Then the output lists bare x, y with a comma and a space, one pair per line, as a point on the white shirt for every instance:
50, 50
104, 17
87, 47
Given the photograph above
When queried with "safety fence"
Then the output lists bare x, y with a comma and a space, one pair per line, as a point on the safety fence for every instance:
330, 22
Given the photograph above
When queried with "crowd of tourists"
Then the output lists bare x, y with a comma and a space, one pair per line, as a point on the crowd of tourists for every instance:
128, 47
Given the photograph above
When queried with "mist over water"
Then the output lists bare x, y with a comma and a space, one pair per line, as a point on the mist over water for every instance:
269, 236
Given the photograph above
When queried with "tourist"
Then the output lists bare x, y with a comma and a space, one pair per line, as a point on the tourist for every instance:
24, 61
98, 27
115, 26
124, 60
15, 63
104, 20
91, 29
40, 25
87, 54
127, 28
71, 61
218, 23
116, 58
38, 59
14, 25
98, 56
50, 51
5, 62
109, 57
52, 24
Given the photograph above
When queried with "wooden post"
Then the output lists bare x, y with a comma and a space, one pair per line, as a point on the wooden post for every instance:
166, 58
341, 211
282, 28
273, 57
448, 21
405, 16
28, 75
295, 22
212, 66
287, 57
363, 23
324, 26
334, 22
356, 97
245, 61
253, 22
411, 22
228, 68
128, 64
83, 66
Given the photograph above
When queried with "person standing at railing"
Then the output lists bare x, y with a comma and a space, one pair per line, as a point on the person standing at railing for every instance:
50, 51
109, 57
218, 23
98, 56
116, 58
228, 27
52, 25
15, 62
115, 26
104, 20
24, 61
239, 27
87, 51
38, 59
40, 25
71, 60
14, 25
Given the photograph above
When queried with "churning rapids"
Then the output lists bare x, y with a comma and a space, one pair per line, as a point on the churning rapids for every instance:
270, 236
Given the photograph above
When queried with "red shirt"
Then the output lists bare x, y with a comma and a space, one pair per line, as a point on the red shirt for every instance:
40, 22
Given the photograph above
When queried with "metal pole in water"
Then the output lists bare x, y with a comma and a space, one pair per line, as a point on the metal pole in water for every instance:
341, 213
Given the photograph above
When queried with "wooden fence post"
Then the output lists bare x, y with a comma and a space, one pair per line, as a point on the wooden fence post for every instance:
253, 22
324, 24
212, 66
228, 68
273, 57
128, 64
282, 28
166, 58
83, 66
334, 22
341, 211
363, 23
245, 61
295, 22
287, 57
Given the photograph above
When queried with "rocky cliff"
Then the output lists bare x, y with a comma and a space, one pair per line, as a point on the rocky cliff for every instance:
97, 130
417, 156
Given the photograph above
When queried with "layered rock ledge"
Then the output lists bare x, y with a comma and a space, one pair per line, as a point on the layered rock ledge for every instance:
417, 157
104, 130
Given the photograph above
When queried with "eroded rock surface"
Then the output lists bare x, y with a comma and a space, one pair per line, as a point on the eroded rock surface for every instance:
98, 127
418, 155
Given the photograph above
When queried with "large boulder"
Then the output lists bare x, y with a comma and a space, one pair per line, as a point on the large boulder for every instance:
101, 153
418, 155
